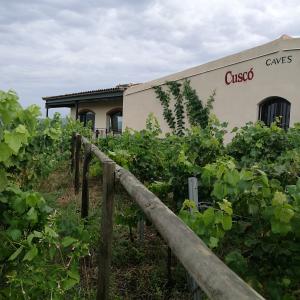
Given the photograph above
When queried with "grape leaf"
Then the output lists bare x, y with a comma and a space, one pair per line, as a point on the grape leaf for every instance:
208, 216
3, 180
5, 152
227, 222
67, 241
31, 254
16, 253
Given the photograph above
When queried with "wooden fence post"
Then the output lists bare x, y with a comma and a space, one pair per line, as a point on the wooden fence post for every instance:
85, 181
193, 195
105, 253
73, 141
193, 190
77, 163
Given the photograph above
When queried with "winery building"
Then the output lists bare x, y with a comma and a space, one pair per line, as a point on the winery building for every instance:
261, 83
102, 107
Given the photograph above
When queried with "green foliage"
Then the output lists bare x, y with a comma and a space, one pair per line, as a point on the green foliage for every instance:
174, 88
129, 217
210, 225
185, 100
255, 142
152, 124
265, 225
249, 192
37, 259
95, 168
164, 98
49, 146
272, 149
169, 161
197, 113
44, 262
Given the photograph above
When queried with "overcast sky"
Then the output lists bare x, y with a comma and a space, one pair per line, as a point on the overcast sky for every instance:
52, 47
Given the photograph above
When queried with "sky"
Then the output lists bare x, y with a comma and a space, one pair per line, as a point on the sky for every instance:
54, 47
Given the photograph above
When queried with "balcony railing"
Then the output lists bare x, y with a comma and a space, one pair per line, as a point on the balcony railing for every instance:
104, 132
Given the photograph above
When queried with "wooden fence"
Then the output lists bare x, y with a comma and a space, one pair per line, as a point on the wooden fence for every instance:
208, 271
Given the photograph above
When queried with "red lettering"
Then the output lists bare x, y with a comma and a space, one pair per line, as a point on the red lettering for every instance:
226, 77
250, 73
235, 77
240, 77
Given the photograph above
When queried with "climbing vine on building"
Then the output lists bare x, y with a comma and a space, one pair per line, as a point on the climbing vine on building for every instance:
164, 98
185, 100
198, 114
174, 88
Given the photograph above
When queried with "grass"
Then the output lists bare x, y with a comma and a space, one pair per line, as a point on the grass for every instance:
139, 263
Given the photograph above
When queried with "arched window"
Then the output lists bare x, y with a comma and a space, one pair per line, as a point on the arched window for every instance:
275, 107
87, 116
115, 118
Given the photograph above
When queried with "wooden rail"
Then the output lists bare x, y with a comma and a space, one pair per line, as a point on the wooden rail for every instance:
209, 272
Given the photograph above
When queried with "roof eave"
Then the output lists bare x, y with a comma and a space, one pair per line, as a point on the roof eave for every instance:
70, 101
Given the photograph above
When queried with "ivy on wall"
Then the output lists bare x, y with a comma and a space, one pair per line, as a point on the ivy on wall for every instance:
164, 98
174, 88
185, 99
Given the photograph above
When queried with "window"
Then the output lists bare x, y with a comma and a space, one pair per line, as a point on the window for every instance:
275, 107
115, 121
86, 117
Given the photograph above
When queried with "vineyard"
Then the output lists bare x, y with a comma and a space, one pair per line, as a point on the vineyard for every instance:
248, 214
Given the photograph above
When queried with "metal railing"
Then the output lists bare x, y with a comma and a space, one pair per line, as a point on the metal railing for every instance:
104, 132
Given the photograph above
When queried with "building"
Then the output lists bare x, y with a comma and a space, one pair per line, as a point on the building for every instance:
257, 84
103, 107
261, 83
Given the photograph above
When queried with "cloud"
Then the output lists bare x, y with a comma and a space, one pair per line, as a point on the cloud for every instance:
51, 47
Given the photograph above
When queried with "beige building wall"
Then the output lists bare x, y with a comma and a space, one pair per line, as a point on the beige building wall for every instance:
276, 72
100, 109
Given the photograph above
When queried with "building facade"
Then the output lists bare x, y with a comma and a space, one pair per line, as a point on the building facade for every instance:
103, 108
261, 83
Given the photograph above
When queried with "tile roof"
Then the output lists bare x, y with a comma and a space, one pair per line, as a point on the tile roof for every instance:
118, 88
